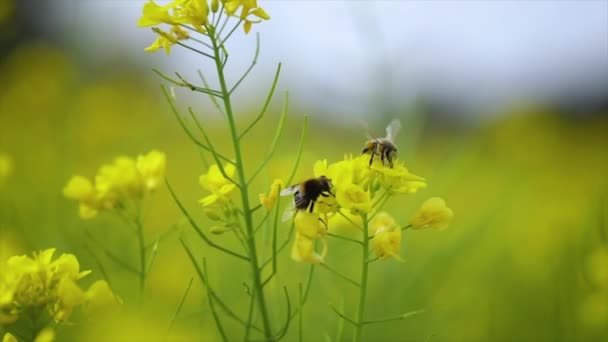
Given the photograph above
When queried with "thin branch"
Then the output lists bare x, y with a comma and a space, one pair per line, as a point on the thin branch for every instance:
266, 103
344, 317
198, 229
231, 32
111, 255
185, 128
350, 220
285, 243
216, 317
184, 83
179, 307
253, 63
395, 318
214, 153
275, 225
300, 150
344, 238
213, 99
275, 140
340, 275
195, 50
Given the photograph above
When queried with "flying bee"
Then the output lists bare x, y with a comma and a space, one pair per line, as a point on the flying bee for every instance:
384, 147
307, 193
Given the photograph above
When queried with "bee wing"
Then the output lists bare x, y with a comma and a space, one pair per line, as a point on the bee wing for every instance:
290, 190
365, 127
393, 129
289, 213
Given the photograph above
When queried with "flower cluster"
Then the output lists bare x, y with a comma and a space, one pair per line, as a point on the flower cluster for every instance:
359, 191
118, 184
218, 205
40, 284
194, 14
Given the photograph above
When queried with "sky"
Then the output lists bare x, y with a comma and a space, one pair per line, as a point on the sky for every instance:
347, 57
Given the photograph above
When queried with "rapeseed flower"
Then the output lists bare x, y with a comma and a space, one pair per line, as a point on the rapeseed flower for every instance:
268, 200
219, 186
309, 228
387, 236
116, 184
433, 214
40, 283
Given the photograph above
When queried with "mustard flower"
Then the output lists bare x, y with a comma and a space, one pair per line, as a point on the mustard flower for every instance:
8, 337
387, 236
309, 224
433, 214
81, 189
353, 197
39, 282
248, 8
397, 178
152, 167
303, 250
154, 14
219, 186
118, 180
45, 335
269, 200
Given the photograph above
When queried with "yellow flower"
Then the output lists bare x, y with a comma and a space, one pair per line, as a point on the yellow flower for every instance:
99, 297
398, 178
8, 337
303, 250
118, 180
269, 200
353, 197
45, 335
193, 12
219, 186
387, 236
248, 7
69, 295
6, 167
433, 214
309, 224
154, 14
152, 167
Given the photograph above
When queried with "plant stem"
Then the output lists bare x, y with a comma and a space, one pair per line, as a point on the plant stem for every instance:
253, 259
362, 282
142, 258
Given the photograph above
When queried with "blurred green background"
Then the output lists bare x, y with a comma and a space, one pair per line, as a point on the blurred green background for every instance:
526, 257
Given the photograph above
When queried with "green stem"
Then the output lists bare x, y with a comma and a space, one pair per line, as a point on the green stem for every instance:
142, 258
253, 260
363, 282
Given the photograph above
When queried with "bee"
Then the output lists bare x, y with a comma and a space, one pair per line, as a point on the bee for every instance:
384, 147
306, 194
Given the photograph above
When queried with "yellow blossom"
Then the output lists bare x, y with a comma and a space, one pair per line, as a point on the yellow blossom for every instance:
397, 178
387, 236
353, 197
303, 250
45, 335
248, 8
8, 337
118, 180
433, 214
154, 14
152, 168
99, 297
81, 189
309, 224
219, 186
269, 200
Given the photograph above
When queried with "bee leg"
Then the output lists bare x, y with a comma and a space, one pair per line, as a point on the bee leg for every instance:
371, 159
382, 158
324, 223
312, 206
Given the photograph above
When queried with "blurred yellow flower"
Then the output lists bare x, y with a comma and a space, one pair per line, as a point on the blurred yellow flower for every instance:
269, 200
309, 224
8, 337
99, 297
81, 189
38, 283
303, 250
45, 335
6, 167
397, 178
119, 179
433, 214
353, 197
387, 236
152, 168
219, 186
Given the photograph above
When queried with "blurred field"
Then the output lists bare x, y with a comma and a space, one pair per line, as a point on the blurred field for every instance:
522, 260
